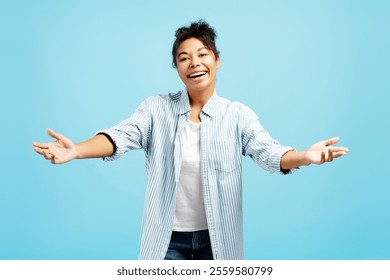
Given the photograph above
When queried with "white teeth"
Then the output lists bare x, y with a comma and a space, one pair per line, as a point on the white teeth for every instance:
197, 74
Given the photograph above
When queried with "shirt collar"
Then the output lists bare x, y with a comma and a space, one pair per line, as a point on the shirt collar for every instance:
183, 102
210, 108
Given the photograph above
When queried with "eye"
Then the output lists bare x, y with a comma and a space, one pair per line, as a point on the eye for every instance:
203, 54
183, 59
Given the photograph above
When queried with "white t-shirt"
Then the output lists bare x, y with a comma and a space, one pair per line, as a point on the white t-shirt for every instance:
190, 212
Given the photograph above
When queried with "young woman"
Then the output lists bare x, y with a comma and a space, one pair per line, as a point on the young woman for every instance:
194, 141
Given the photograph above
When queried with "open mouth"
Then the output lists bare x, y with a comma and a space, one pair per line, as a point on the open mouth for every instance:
197, 74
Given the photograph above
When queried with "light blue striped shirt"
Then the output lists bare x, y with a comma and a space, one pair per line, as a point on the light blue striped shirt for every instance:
229, 130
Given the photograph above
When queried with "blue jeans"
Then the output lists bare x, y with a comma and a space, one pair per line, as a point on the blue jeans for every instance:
190, 246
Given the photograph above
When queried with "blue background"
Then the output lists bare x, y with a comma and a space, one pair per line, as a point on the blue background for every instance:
310, 69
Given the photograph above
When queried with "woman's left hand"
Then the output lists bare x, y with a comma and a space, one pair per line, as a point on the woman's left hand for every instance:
322, 151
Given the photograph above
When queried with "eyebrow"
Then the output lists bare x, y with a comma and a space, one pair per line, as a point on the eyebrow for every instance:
180, 53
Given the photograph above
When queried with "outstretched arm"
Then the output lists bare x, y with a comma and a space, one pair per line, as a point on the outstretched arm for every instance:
64, 150
318, 153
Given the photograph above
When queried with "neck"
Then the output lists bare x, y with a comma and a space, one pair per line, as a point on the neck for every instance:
199, 98
197, 101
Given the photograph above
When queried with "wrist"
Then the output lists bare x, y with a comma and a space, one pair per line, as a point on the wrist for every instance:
306, 159
78, 152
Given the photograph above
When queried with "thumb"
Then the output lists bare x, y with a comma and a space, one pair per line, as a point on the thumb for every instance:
331, 141
53, 134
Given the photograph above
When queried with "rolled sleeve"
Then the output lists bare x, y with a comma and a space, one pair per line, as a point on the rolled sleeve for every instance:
130, 134
261, 147
115, 139
275, 158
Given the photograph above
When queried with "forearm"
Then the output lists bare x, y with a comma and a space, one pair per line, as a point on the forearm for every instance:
293, 159
98, 146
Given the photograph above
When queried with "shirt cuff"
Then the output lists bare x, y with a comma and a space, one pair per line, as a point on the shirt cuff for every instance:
275, 159
110, 137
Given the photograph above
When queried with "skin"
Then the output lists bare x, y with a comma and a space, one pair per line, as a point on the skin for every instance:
63, 150
318, 153
193, 58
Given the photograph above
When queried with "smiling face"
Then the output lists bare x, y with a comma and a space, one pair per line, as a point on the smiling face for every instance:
197, 67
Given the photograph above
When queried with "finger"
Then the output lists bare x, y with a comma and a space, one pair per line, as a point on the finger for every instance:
322, 157
330, 155
339, 149
44, 153
327, 155
56, 160
53, 160
331, 141
339, 154
38, 150
53, 134
41, 145
47, 155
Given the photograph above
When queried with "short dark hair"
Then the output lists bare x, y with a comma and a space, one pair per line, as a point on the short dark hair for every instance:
200, 30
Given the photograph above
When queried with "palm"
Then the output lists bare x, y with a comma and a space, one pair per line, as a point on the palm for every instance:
322, 151
60, 151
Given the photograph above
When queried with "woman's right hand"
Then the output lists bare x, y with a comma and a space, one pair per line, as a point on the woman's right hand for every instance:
60, 151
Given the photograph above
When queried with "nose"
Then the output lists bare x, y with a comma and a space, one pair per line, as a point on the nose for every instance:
194, 61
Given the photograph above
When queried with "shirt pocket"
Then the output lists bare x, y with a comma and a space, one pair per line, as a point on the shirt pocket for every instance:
224, 155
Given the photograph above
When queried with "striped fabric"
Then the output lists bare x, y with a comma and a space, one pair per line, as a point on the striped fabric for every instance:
229, 130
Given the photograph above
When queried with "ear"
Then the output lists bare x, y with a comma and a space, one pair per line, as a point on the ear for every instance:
218, 63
